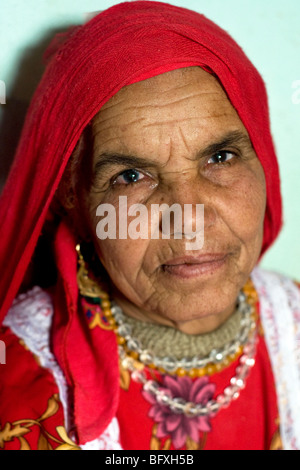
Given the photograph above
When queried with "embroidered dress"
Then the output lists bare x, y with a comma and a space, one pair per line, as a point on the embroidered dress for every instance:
40, 417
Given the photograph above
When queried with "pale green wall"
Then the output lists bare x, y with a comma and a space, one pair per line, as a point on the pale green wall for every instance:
268, 31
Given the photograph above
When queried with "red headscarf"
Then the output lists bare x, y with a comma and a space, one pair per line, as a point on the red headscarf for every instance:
127, 43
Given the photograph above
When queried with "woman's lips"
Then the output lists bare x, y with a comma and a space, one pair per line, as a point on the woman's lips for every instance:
189, 266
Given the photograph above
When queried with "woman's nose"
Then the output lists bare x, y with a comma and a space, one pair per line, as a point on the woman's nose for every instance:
188, 210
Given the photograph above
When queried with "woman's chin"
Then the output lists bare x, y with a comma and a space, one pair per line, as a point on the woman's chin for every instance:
196, 313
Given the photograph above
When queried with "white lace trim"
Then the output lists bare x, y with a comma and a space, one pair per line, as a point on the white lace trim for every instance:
280, 314
30, 319
109, 440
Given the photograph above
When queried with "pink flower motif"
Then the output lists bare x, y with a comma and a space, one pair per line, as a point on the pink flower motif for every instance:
180, 426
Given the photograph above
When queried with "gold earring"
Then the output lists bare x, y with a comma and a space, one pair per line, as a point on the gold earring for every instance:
87, 286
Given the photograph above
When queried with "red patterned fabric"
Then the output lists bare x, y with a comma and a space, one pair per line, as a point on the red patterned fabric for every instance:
250, 422
125, 44
30, 409
31, 415
235, 427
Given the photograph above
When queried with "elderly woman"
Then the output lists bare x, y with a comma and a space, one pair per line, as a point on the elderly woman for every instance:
138, 342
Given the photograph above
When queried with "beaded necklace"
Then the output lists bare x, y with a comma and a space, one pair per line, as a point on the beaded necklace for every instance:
137, 360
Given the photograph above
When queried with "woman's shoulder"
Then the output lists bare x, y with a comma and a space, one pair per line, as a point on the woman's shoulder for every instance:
274, 280
30, 320
31, 383
279, 299
20, 360
25, 331
28, 307
279, 305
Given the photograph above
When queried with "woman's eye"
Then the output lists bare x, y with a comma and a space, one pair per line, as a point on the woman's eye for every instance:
129, 176
221, 157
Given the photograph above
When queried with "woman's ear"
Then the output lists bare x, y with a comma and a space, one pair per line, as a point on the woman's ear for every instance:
66, 192
68, 186
70, 194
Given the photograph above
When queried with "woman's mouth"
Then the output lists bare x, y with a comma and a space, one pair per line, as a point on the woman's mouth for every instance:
193, 266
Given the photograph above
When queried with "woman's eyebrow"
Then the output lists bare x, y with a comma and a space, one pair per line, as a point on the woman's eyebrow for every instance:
132, 161
128, 161
233, 138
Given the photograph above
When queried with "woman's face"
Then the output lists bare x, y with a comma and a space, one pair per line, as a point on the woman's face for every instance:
183, 143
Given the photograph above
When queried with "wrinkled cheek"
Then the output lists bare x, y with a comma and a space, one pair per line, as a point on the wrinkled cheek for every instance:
123, 259
248, 213
114, 253
116, 246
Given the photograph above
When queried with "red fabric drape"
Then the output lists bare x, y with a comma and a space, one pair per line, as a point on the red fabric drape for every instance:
124, 44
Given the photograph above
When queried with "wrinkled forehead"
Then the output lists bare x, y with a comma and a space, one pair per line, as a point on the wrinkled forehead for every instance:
159, 109
158, 87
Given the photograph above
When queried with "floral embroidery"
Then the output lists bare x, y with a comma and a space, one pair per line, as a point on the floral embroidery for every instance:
276, 443
46, 441
94, 315
181, 428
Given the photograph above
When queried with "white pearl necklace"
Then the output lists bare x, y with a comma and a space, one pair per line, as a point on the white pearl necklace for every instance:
179, 405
